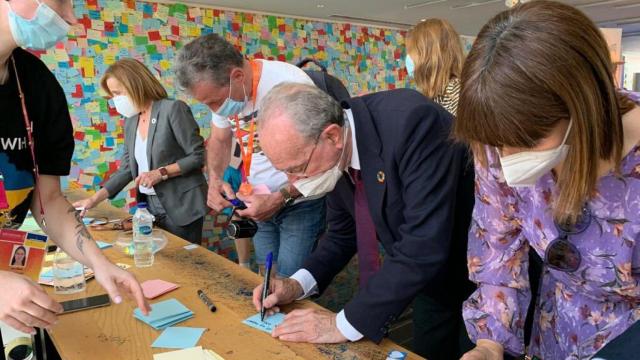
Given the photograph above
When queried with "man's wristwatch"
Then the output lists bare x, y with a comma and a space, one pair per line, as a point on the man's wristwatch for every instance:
287, 198
164, 173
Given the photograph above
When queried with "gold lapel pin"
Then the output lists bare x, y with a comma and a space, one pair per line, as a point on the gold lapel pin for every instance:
380, 177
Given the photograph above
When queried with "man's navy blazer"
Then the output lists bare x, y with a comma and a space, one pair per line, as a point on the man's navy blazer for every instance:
419, 187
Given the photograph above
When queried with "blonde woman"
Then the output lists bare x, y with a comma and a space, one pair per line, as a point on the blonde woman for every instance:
434, 59
164, 152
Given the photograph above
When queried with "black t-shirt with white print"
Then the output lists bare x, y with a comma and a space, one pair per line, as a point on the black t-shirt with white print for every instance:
53, 133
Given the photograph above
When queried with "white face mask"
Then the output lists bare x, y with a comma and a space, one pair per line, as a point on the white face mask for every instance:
323, 183
124, 106
525, 168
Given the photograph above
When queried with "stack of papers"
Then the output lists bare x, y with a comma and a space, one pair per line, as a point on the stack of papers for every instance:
195, 353
46, 275
164, 314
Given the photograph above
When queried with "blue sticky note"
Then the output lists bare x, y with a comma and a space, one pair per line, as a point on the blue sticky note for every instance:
178, 338
396, 355
103, 245
269, 323
164, 314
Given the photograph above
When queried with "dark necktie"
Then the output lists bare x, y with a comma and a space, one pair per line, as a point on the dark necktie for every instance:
368, 254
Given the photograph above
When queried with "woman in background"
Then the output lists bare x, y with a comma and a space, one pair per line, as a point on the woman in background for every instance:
558, 174
434, 60
164, 152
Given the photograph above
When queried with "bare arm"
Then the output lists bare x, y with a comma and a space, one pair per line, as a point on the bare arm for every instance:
218, 151
65, 226
218, 157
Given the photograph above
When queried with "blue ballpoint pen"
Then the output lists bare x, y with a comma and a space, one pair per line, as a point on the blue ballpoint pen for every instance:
265, 286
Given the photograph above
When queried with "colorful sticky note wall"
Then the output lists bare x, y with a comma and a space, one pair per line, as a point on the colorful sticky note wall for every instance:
366, 59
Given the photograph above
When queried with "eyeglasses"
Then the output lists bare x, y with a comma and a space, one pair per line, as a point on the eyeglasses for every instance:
304, 170
561, 254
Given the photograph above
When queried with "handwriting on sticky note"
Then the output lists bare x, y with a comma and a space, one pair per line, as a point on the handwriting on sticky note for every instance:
269, 323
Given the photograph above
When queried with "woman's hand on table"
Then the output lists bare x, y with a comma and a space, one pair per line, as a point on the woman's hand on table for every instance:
24, 305
116, 281
485, 350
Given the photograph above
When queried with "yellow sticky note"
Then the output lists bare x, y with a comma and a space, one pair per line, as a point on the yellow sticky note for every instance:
194, 353
207, 21
97, 25
109, 59
61, 55
86, 63
165, 65
194, 12
195, 31
162, 13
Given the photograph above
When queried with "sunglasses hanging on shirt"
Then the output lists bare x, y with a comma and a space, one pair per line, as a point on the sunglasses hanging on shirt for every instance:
29, 126
561, 254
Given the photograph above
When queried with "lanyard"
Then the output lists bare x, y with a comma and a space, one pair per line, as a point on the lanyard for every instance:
245, 188
29, 126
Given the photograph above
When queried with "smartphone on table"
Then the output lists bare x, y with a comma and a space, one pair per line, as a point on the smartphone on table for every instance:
85, 303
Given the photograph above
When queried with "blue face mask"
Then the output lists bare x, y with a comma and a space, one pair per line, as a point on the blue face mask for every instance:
40, 33
232, 107
409, 64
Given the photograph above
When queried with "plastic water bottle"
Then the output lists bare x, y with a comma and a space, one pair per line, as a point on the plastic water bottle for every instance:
142, 236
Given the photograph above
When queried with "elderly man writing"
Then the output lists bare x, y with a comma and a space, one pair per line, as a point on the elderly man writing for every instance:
392, 177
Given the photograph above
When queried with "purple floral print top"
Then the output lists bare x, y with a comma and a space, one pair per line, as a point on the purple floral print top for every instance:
577, 313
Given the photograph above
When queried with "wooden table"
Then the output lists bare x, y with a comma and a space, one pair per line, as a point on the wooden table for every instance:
113, 333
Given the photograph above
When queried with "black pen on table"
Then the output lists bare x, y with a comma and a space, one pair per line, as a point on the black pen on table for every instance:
205, 299
265, 286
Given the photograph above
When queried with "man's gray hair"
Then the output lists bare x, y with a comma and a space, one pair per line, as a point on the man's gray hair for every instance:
308, 107
209, 57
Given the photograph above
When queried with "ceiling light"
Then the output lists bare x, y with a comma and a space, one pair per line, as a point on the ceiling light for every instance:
628, 6
600, 3
627, 21
427, 3
369, 21
320, 6
474, 4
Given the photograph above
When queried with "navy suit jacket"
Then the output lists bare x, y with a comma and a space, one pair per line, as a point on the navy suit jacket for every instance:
421, 209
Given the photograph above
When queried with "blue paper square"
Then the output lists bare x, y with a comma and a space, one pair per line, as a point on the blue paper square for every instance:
269, 323
178, 338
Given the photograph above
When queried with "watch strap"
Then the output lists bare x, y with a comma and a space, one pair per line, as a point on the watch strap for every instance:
164, 173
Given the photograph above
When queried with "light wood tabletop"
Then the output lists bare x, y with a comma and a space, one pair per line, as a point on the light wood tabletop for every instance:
113, 333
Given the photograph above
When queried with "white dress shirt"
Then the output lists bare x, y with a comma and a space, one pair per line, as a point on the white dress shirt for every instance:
304, 277
140, 153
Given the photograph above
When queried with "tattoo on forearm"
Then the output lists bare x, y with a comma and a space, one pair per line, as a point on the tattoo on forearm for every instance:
82, 233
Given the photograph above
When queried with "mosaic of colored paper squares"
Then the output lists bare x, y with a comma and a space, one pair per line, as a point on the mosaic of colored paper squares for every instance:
365, 58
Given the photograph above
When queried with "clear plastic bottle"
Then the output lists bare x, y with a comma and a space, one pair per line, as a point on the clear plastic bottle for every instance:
142, 236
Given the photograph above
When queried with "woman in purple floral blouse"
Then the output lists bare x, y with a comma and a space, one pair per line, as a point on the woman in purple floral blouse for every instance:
558, 173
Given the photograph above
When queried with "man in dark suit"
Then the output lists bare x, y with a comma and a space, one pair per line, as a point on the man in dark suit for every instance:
392, 174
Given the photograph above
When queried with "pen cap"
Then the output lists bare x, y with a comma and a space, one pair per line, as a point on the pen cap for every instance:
269, 260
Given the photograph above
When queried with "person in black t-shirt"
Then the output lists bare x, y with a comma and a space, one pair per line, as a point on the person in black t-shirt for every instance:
38, 25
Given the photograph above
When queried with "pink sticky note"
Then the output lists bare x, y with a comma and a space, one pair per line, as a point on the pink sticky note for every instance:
261, 189
154, 288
